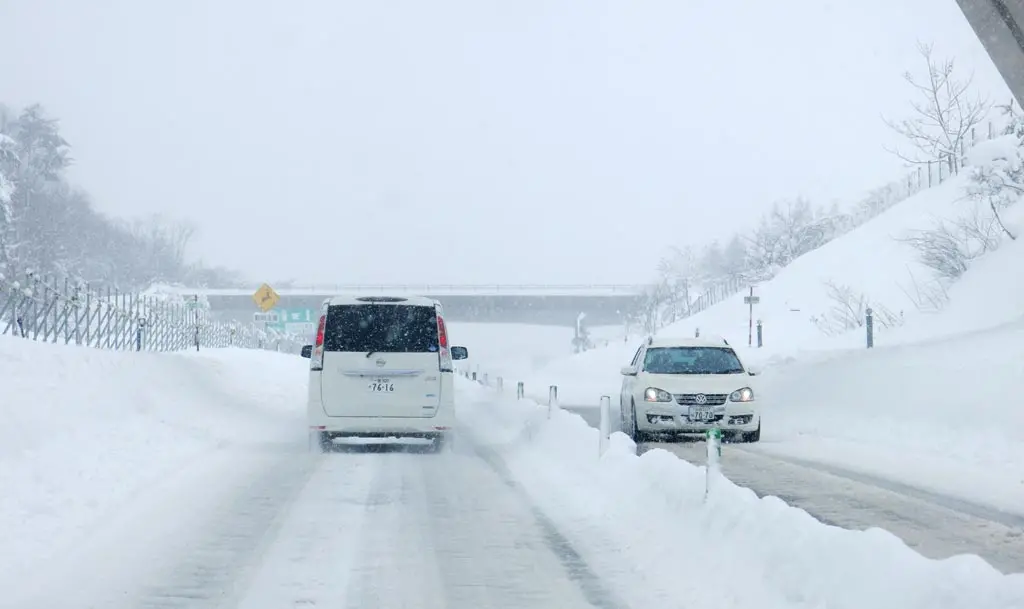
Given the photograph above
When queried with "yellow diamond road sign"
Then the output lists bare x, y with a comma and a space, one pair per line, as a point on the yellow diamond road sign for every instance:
265, 298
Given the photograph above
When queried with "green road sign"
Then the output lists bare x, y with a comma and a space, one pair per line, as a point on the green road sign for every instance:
294, 321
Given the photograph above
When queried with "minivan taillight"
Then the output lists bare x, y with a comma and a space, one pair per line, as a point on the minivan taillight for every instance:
316, 359
444, 356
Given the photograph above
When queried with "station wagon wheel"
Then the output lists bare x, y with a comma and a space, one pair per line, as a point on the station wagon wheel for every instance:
634, 429
752, 436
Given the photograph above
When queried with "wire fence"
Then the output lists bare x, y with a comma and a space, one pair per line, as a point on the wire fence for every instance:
46, 310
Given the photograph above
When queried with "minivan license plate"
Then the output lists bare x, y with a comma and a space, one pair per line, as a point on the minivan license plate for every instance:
382, 385
702, 413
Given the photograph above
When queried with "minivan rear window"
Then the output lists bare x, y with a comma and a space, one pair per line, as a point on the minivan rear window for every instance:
381, 328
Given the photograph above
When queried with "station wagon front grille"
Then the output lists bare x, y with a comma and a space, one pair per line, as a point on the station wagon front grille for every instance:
690, 399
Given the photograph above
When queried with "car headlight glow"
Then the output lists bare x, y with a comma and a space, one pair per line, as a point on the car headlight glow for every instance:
653, 394
742, 395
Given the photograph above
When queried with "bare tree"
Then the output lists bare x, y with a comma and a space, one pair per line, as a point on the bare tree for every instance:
942, 116
949, 248
849, 312
930, 296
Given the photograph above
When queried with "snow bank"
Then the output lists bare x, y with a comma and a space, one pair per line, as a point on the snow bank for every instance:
85, 431
942, 415
540, 356
938, 415
734, 550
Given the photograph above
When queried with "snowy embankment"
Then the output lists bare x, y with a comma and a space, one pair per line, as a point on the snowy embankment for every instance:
932, 405
731, 550
88, 434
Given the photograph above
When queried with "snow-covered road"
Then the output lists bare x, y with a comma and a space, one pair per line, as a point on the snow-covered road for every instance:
396, 528
183, 481
387, 526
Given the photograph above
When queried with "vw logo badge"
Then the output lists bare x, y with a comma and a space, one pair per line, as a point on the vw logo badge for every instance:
700, 398
381, 362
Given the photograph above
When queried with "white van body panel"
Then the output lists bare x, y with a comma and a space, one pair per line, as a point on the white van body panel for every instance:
381, 393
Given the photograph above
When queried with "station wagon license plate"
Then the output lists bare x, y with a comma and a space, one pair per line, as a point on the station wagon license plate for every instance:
701, 413
382, 385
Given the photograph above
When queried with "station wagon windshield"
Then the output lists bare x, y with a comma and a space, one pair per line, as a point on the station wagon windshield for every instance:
692, 360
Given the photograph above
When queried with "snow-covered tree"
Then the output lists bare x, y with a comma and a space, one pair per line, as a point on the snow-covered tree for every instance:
997, 179
678, 273
789, 231
943, 114
49, 227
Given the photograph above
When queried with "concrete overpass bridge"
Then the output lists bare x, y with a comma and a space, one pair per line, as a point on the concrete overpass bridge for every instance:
608, 304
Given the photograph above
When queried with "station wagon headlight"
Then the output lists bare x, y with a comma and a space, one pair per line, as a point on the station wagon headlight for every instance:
742, 395
653, 394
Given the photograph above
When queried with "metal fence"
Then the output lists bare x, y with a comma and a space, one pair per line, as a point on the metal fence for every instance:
62, 312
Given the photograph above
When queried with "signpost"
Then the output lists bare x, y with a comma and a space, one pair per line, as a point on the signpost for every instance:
751, 300
193, 305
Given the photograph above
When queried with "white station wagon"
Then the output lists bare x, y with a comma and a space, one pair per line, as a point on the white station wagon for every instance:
678, 386
381, 366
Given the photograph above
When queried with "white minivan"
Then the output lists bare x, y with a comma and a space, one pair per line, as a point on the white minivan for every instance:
381, 367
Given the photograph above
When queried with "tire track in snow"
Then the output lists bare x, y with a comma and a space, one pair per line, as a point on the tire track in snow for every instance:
446, 531
213, 571
393, 528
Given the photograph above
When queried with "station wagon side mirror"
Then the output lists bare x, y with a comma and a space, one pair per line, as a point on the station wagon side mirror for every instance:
459, 353
628, 371
753, 370
307, 351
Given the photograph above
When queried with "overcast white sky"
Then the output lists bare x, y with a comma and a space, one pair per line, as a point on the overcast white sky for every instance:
477, 141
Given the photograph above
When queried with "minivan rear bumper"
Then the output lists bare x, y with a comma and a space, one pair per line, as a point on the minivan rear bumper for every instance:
372, 427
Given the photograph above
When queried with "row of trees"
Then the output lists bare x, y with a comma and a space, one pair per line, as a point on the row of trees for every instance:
941, 124
50, 228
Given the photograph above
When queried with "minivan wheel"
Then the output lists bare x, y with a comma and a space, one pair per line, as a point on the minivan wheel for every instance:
325, 442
